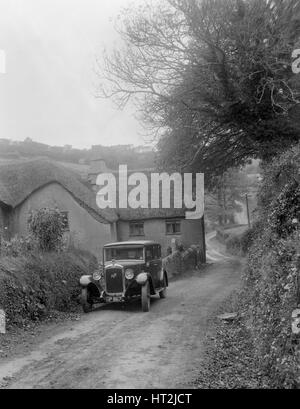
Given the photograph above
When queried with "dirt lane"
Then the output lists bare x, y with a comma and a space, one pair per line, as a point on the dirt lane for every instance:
115, 347
215, 251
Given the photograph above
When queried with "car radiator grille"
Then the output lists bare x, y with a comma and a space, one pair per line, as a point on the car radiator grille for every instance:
114, 280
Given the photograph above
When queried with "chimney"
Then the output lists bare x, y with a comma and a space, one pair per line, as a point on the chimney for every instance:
97, 166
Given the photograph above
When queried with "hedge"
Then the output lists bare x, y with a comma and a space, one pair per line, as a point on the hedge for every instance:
272, 276
32, 286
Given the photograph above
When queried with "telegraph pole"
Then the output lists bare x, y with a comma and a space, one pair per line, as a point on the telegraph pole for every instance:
203, 240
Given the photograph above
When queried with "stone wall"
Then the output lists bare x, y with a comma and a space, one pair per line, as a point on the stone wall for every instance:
181, 261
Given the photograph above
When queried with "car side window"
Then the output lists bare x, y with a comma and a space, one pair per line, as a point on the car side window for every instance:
149, 253
156, 254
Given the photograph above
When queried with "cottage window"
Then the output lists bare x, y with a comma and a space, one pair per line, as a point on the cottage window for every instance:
136, 229
173, 227
66, 220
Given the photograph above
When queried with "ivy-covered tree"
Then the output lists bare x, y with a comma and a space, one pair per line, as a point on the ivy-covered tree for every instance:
211, 78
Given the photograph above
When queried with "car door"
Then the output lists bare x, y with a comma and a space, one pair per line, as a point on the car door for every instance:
159, 264
155, 265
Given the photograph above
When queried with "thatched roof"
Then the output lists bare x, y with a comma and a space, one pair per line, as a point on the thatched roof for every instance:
18, 180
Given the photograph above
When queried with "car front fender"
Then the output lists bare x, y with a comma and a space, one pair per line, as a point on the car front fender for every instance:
142, 278
85, 281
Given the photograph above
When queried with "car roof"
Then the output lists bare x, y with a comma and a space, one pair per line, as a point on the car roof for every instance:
131, 243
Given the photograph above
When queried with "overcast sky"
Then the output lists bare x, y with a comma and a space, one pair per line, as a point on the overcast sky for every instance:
47, 91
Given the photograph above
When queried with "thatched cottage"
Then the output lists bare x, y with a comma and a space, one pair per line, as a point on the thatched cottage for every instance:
29, 185
34, 184
162, 225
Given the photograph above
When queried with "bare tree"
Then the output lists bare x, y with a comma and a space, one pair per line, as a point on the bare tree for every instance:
212, 78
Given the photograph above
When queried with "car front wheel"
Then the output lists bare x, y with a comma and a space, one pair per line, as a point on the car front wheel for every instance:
146, 297
86, 305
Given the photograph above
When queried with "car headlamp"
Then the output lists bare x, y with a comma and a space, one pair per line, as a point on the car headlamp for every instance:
129, 274
97, 276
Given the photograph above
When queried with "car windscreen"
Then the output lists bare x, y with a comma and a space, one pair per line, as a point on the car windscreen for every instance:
124, 253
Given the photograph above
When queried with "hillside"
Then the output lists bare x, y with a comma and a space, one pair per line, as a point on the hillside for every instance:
78, 159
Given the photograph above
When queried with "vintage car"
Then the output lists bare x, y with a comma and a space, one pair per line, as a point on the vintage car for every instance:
128, 270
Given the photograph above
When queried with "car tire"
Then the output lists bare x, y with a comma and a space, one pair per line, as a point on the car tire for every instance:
86, 306
146, 297
163, 293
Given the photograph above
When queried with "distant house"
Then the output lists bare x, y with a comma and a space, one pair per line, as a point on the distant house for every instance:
31, 185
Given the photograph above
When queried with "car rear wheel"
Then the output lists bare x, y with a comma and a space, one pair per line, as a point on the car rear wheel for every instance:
86, 305
146, 297
163, 293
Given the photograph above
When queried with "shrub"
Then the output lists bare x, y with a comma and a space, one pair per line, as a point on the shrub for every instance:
272, 275
18, 246
182, 260
32, 286
239, 243
47, 226
233, 245
248, 238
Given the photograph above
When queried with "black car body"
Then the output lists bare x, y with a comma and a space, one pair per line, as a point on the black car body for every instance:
128, 270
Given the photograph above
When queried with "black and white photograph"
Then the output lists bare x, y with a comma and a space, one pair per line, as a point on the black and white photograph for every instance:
149, 197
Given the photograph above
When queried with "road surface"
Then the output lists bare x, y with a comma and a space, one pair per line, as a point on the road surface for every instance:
115, 347
215, 251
